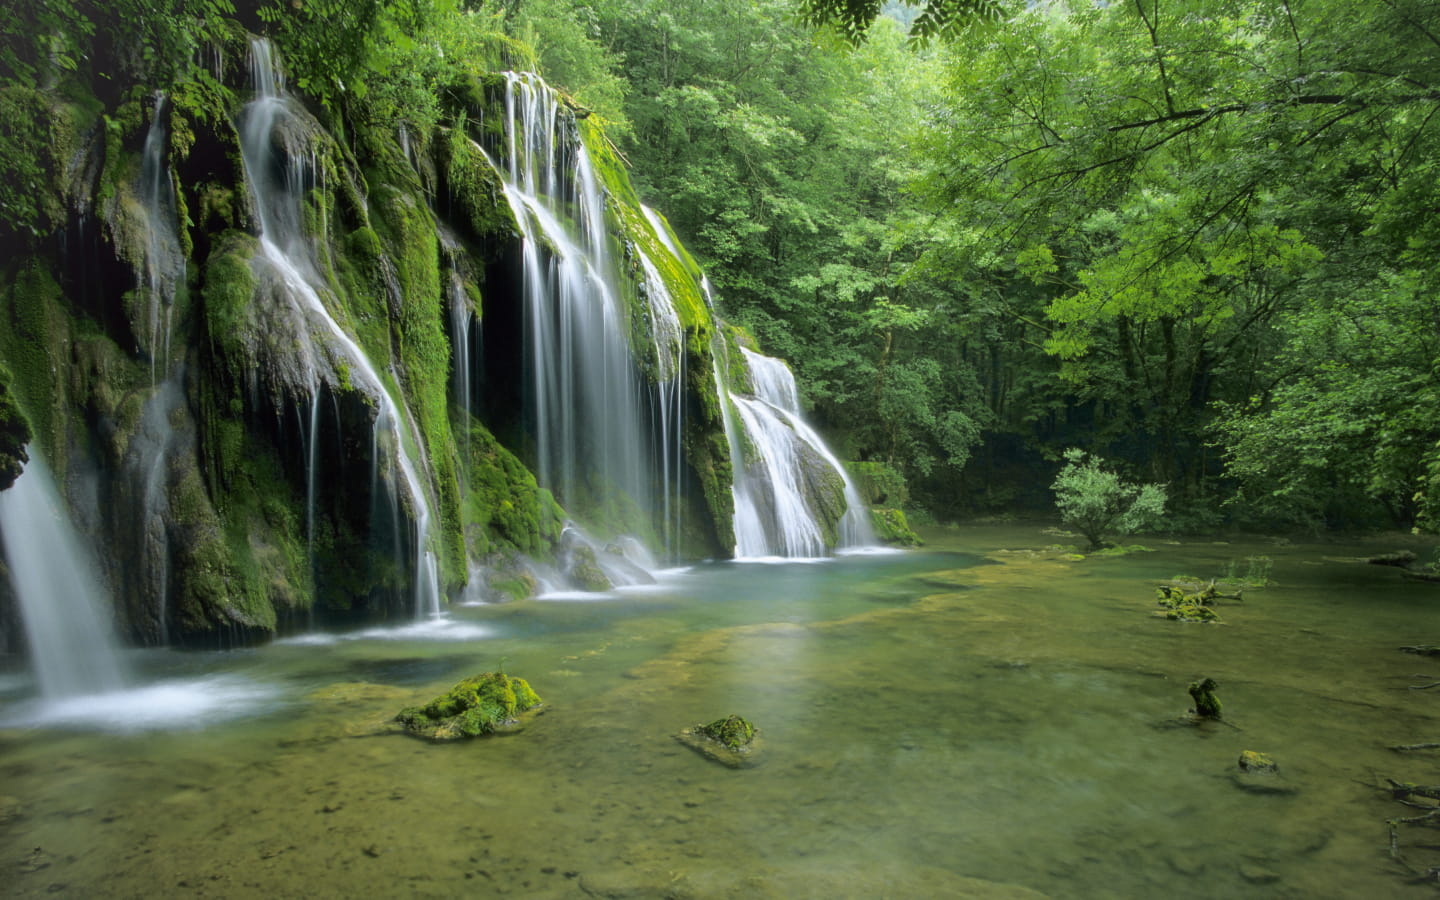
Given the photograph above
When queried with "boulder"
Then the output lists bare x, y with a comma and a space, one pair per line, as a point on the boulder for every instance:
479, 705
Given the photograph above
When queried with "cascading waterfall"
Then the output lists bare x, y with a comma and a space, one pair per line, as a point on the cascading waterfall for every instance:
284, 247
776, 454
164, 263
599, 428
72, 643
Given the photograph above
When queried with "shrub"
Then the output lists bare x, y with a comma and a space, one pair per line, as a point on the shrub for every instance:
1095, 501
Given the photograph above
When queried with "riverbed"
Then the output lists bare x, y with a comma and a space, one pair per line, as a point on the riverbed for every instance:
981, 717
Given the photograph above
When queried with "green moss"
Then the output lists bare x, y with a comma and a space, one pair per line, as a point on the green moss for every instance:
229, 286
1207, 705
407, 233
892, 528
504, 507
36, 337
477, 198
733, 732
1187, 607
37, 137
880, 484
14, 434
479, 705
585, 570
223, 589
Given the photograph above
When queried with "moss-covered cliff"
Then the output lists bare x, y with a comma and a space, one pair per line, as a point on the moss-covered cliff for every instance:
226, 451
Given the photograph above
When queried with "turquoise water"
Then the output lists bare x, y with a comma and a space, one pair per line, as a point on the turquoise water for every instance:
965, 720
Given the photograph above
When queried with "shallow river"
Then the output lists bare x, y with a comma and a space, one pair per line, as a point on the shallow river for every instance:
980, 718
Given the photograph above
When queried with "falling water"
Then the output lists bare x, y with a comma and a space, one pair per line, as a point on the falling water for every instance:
284, 247
164, 262
776, 458
597, 423
72, 645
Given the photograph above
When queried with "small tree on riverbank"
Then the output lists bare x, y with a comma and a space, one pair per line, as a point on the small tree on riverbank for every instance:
1096, 502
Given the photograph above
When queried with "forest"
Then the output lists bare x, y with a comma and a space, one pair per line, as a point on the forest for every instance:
1187, 237
640, 449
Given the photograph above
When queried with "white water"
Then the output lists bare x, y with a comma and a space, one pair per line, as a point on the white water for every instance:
149, 455
285, 248
600, 427
773, 515
67, 620
164, 263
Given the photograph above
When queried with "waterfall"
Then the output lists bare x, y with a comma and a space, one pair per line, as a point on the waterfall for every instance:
602, 430
780, 463
164, 263
285, 248
67, 623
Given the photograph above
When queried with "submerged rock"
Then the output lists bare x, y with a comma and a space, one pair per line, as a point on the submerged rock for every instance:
1258, 773
729, 741
481, 704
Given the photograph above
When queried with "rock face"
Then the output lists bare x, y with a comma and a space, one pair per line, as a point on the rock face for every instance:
229, 447
277, 352
479, 705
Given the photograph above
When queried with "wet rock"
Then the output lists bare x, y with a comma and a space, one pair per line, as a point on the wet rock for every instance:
730, 741
482, 704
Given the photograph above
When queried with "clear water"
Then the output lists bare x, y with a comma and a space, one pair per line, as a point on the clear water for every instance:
959, 721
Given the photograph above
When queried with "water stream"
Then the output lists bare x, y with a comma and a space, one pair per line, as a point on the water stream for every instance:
961, 721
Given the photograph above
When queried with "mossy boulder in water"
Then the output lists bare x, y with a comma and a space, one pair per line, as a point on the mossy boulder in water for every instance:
729, 741
481, 704
1207, 705
732, 732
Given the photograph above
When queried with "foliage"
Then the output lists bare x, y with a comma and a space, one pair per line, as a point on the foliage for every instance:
851, 19
1095, 500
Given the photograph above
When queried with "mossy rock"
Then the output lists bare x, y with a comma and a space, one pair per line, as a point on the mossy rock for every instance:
1257, 773
892, 527
482, 704
1258, 763
1207, 705
730, 741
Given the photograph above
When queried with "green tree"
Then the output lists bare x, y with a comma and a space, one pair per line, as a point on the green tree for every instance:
1097, 502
